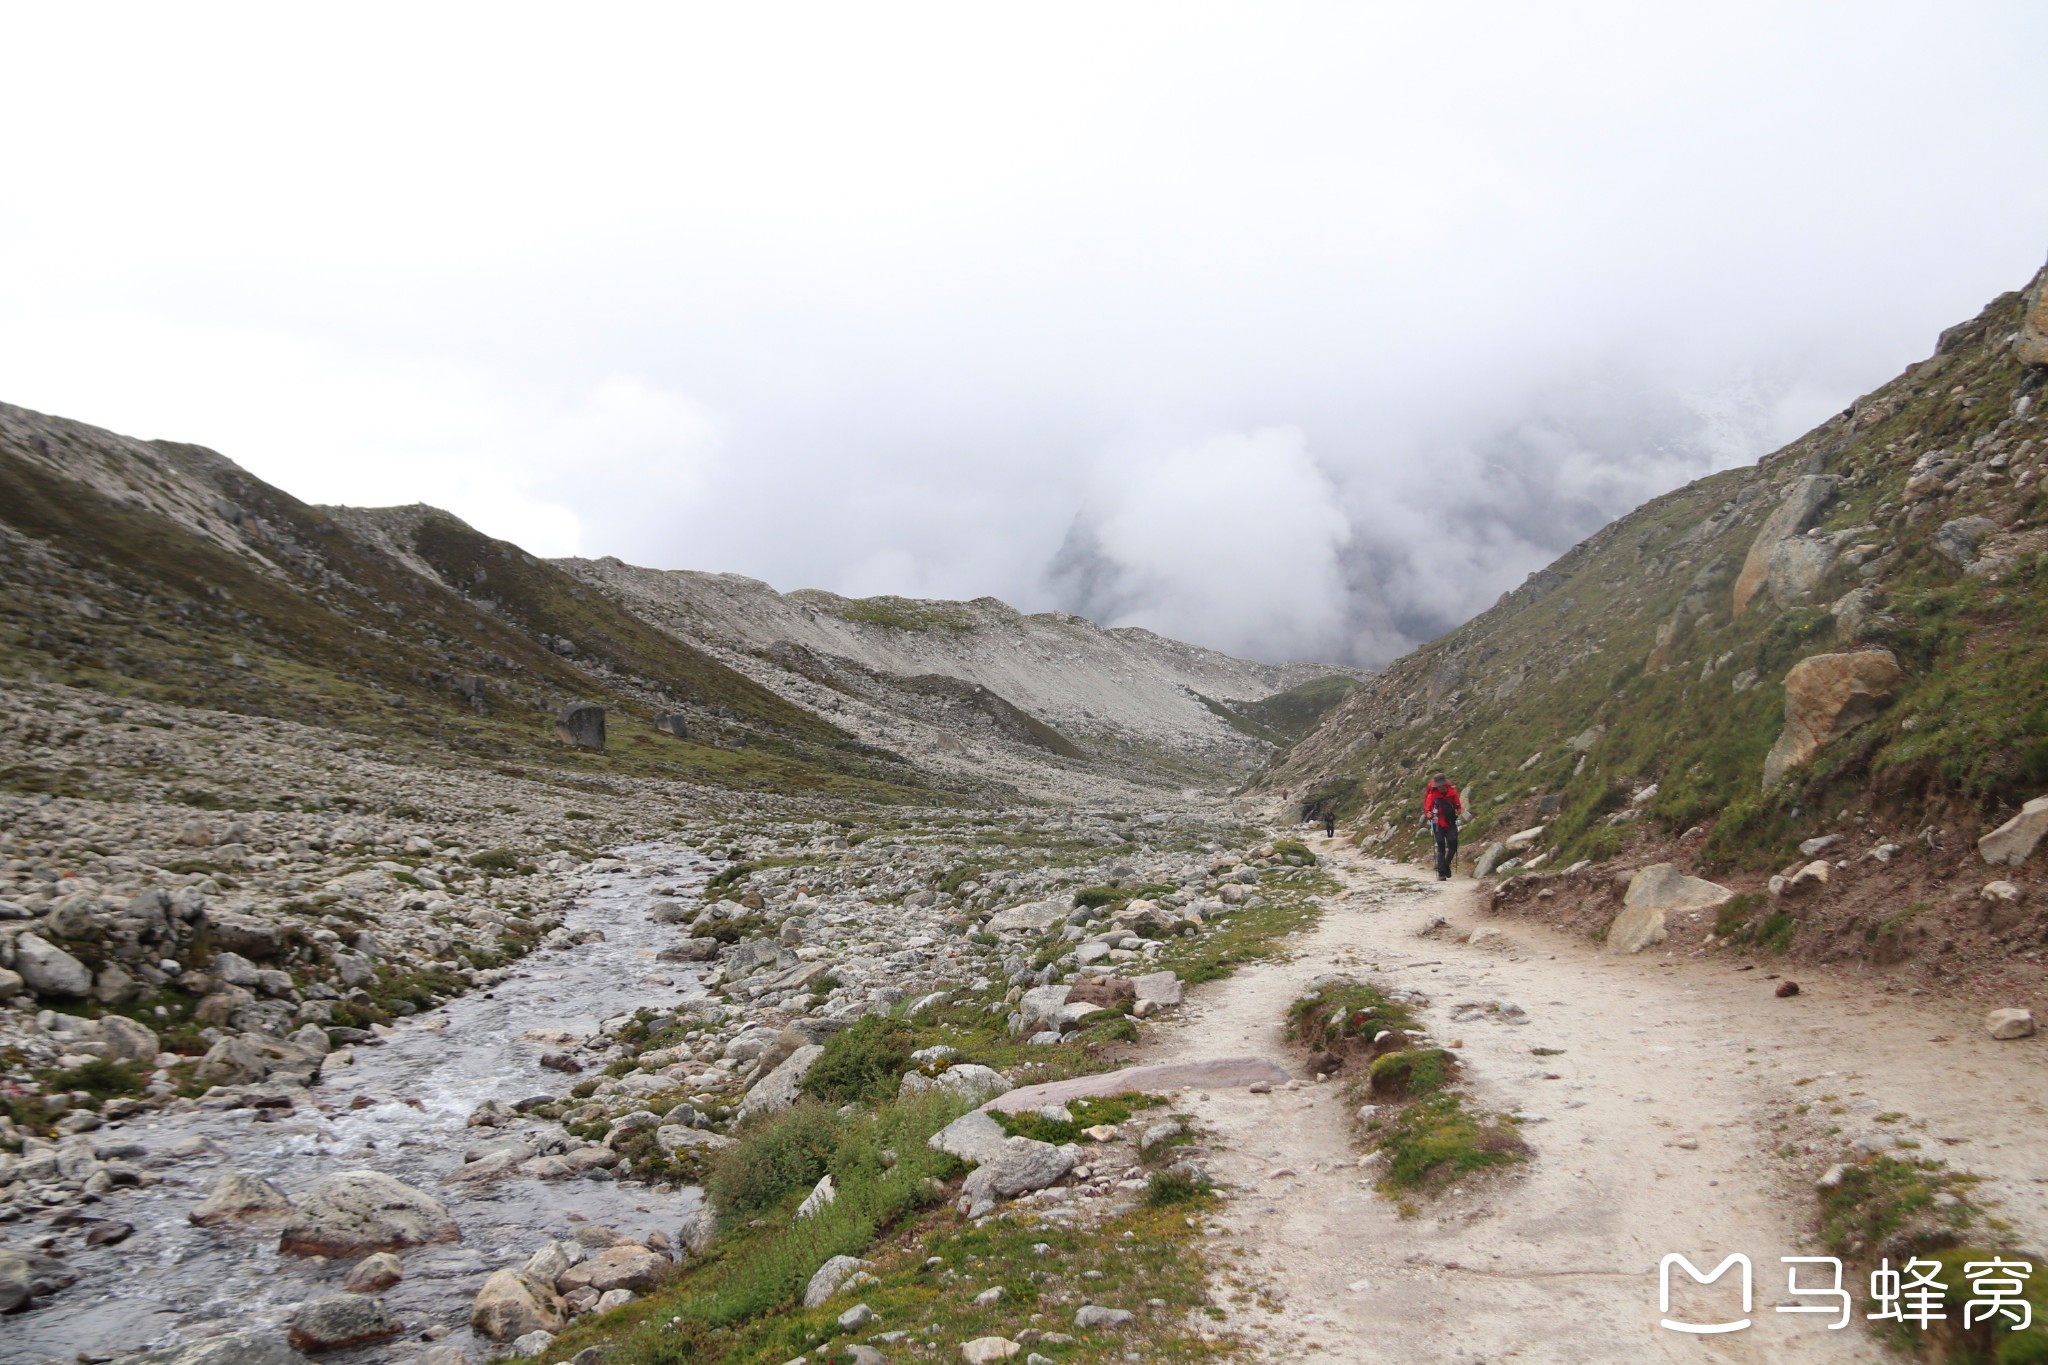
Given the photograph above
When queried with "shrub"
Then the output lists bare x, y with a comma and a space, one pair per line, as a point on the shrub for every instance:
779, 1154
1164, 1188
1415, 1072
863, 1064
100, 1078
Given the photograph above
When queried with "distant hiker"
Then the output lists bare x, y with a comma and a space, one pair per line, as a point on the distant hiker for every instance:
1440, 811
1329, 824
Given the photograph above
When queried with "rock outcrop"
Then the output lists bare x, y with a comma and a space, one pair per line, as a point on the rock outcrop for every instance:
2013, 842
1827, 696
1795, 511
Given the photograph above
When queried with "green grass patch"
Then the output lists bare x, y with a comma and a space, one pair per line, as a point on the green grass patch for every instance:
864, 1063
1437, 1139
1412, 1073
1341, 1013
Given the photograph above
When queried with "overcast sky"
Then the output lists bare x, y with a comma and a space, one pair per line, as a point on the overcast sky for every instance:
1296, 330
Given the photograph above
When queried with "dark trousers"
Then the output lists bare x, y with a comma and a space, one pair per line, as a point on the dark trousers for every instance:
1446, 848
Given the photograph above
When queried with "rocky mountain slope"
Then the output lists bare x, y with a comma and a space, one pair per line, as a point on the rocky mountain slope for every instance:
160, 571
1837, 650
871, 664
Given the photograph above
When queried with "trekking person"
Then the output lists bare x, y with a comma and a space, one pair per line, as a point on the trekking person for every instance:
1440, 811
1330, 823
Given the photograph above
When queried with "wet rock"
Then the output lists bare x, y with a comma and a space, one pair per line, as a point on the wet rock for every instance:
829, 1277
239, 1196
509, 1306
373, 1274
2008, 1024
339, 1321
2013, 842
248, 1347
1827, 696
357, 1212
28, 1275
250, 1059
48, 969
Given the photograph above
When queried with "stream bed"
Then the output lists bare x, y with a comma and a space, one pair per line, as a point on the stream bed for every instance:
402, 1109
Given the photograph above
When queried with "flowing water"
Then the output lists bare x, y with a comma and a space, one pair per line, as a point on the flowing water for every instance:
401, 1109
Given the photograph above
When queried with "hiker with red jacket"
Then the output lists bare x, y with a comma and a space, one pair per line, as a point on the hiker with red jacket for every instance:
1440, 811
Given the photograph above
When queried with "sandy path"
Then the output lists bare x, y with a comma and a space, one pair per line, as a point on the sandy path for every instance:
1659, 1124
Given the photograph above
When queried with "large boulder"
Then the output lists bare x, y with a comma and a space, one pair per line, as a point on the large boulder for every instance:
357, 1212
48, 969
778, 1090
1038, 1008
1827, 696
129, 1041
1653, 893
1797, 565
1021, 1166
251, 1058
336, 1322
581, 724
509, 1305
829, 1277
1793, 514
1032, 917
626, 1266
970, 1081
1957, 541
2012, 843
972, 1137
245, 934
1159, 989
238, 1195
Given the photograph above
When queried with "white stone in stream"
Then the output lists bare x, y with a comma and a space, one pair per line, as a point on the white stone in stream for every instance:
2009, 1024
48, 969
358, 1212
1654, 892
972, 1137
1034, 916
778, 1090
238, 1194
2012, 843
828, 1279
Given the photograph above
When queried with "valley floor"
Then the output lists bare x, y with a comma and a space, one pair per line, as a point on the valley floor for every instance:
1667, 1122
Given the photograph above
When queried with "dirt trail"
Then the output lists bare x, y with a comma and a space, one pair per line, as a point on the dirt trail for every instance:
1659, 1124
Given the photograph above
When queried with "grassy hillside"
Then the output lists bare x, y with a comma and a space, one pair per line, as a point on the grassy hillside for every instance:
1626, 663
266, 606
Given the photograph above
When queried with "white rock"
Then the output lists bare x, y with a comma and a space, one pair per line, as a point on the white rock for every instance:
2012, 843
2009, 1024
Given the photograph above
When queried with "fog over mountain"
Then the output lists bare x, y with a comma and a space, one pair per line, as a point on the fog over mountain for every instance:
1298, 332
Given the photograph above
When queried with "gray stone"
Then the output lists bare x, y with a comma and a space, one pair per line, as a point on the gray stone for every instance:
856, 1317
127, 1040
1033, 917
988, 1350
239, 1195
1797, 566
1023, 1165
1161, 988
1794, 512
972, 1137
2013, 842
532, 1344
778, 1090
357, 1212
829, 1277
11, 984
250, 1059
248, 1347
48, 969
1490, 859
1038, 1008
339, 1321
581, 724
1957, 541
1093, 1315
237, 970
972, 1082
373, 1274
